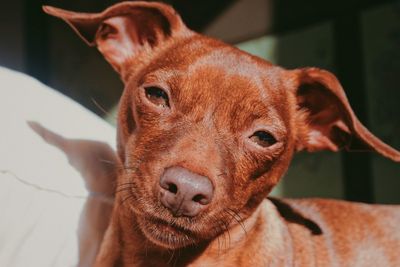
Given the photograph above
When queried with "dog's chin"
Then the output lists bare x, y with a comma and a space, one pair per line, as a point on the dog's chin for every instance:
165, 235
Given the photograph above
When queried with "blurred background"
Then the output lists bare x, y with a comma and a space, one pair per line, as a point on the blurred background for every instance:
358, 40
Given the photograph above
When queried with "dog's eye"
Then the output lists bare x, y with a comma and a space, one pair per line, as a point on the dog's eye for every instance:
157, 96
263, 139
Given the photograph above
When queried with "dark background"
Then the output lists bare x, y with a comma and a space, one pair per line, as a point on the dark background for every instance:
358, 40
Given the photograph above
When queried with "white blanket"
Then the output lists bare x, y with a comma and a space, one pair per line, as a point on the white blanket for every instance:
41, 195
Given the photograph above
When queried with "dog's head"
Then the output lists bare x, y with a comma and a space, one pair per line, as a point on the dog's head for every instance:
205, 130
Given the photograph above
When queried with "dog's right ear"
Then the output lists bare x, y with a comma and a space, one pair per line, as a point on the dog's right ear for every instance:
326, 119
124, 30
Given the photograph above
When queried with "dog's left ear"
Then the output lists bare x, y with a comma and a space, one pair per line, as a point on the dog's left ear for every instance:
326, 119
125, 30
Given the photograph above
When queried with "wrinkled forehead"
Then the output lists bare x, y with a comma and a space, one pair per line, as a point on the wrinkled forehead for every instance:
213, 78
201, 68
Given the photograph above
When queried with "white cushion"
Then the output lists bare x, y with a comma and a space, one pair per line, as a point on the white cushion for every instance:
41, 195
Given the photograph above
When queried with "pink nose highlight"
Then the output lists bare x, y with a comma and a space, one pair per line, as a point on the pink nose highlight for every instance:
185, 193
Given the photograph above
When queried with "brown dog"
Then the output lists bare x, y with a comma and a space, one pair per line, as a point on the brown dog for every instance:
205, 131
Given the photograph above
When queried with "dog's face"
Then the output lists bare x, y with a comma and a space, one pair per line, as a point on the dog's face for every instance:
205, 130
221, 114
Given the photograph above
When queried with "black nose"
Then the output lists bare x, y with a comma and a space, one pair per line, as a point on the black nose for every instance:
185, 193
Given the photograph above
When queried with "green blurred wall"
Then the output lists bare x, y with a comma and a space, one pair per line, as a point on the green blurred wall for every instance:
320, 174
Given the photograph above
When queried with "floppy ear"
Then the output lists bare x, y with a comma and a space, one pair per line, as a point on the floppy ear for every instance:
124, 30
328, 122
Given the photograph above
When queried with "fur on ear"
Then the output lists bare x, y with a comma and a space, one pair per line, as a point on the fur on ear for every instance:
328, 121
127, 34
124, 30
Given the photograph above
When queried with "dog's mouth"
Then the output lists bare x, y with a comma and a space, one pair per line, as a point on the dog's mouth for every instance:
167, 234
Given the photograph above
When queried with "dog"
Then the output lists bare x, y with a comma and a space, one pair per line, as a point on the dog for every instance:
205, 131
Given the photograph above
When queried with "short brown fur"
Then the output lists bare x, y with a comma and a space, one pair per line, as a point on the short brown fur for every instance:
218, 99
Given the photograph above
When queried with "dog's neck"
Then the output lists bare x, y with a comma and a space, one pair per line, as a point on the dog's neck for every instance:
263, 226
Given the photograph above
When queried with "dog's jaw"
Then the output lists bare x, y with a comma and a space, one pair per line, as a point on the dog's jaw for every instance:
224, 250
165, 234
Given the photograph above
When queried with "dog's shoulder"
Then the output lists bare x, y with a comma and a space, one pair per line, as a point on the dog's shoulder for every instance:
353, 230
343, 217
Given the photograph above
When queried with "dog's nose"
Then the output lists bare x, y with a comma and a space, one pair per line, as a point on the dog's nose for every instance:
185, 193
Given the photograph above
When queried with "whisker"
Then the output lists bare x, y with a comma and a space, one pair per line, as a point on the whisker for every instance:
221, 229
127, 198
237, 218
178, 256
226, 226
216, 229
122, 189
171, 256
124, 184
219, 244
128, 186
227, 233
108, 162
146, 246
130, 167
100, 107
135, 168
